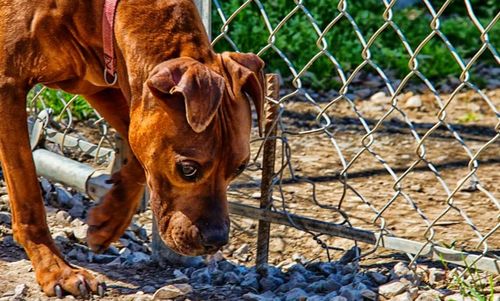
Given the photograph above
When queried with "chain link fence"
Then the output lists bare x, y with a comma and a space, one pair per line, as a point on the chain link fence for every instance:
398, 167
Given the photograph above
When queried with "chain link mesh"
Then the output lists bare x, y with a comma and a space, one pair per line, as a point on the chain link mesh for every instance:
389, 169
444, 194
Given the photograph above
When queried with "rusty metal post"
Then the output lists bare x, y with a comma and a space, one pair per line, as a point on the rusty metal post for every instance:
268, 160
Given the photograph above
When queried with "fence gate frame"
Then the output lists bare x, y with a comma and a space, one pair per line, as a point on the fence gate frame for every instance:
87, 179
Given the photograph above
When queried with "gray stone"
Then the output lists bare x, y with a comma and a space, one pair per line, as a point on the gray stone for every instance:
368, 294
72, 253
287, 286
436, 275
392, 289
148, 289
400, 270
327, 268
298, 268
379, 278
178, 273
429, 295
296, 294
3, 189
217, 277
173, 291
331, 295
63, 217
336, 298
9, 241
299, 258
19, 292
316, 298
458, 297
77, 210
241, 269
103, 258
180, 279
242, 250
349, 255
131, 235
4, 199
134, 247
80, 232
46, 185
201, 276
63, 197
225, 266
379, 97
349, 292
347, 279
250, 280
60, 237
323, 286
270, 283
112, 250
298, 277
77, 200
255, 297
268, 270
414, 102
140, 296
406, 296
138, 258
116, 262
125, 252
124, 242
81, 256
76, 223
231, 278
5, 218
142, 233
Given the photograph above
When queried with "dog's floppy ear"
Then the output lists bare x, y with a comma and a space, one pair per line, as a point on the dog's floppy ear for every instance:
246, 75
201, 88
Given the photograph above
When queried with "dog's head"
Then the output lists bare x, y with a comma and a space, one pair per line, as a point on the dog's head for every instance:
191, 133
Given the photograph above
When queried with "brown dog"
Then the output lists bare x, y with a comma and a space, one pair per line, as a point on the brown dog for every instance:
182, 107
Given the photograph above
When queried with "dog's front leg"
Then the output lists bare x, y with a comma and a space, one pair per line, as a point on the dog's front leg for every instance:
111, 217
53, 273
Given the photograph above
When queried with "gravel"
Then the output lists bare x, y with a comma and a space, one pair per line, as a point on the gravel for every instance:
296, 278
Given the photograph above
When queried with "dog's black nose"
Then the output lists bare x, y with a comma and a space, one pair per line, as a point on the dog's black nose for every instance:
213, 238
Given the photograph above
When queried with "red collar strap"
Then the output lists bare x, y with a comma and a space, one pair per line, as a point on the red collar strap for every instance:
108, 22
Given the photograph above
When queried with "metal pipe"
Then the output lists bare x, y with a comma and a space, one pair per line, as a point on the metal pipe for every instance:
61, 169
80, 176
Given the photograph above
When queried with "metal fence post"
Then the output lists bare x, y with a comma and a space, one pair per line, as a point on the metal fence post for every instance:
268, 160
205, 9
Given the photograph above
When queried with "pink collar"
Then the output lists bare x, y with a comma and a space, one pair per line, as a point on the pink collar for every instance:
108, 22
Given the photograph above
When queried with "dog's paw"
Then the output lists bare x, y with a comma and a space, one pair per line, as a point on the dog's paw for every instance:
104, 228
70, 280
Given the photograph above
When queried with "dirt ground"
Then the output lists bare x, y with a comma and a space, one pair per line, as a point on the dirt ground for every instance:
473, 214
406, 209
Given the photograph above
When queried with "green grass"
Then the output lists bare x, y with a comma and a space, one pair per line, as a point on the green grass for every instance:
297, 39
474, 286
56, 100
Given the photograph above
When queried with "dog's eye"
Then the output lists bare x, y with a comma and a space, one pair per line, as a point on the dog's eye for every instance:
189, 170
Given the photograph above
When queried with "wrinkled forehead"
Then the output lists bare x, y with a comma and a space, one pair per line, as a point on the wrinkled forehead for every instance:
228, 136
